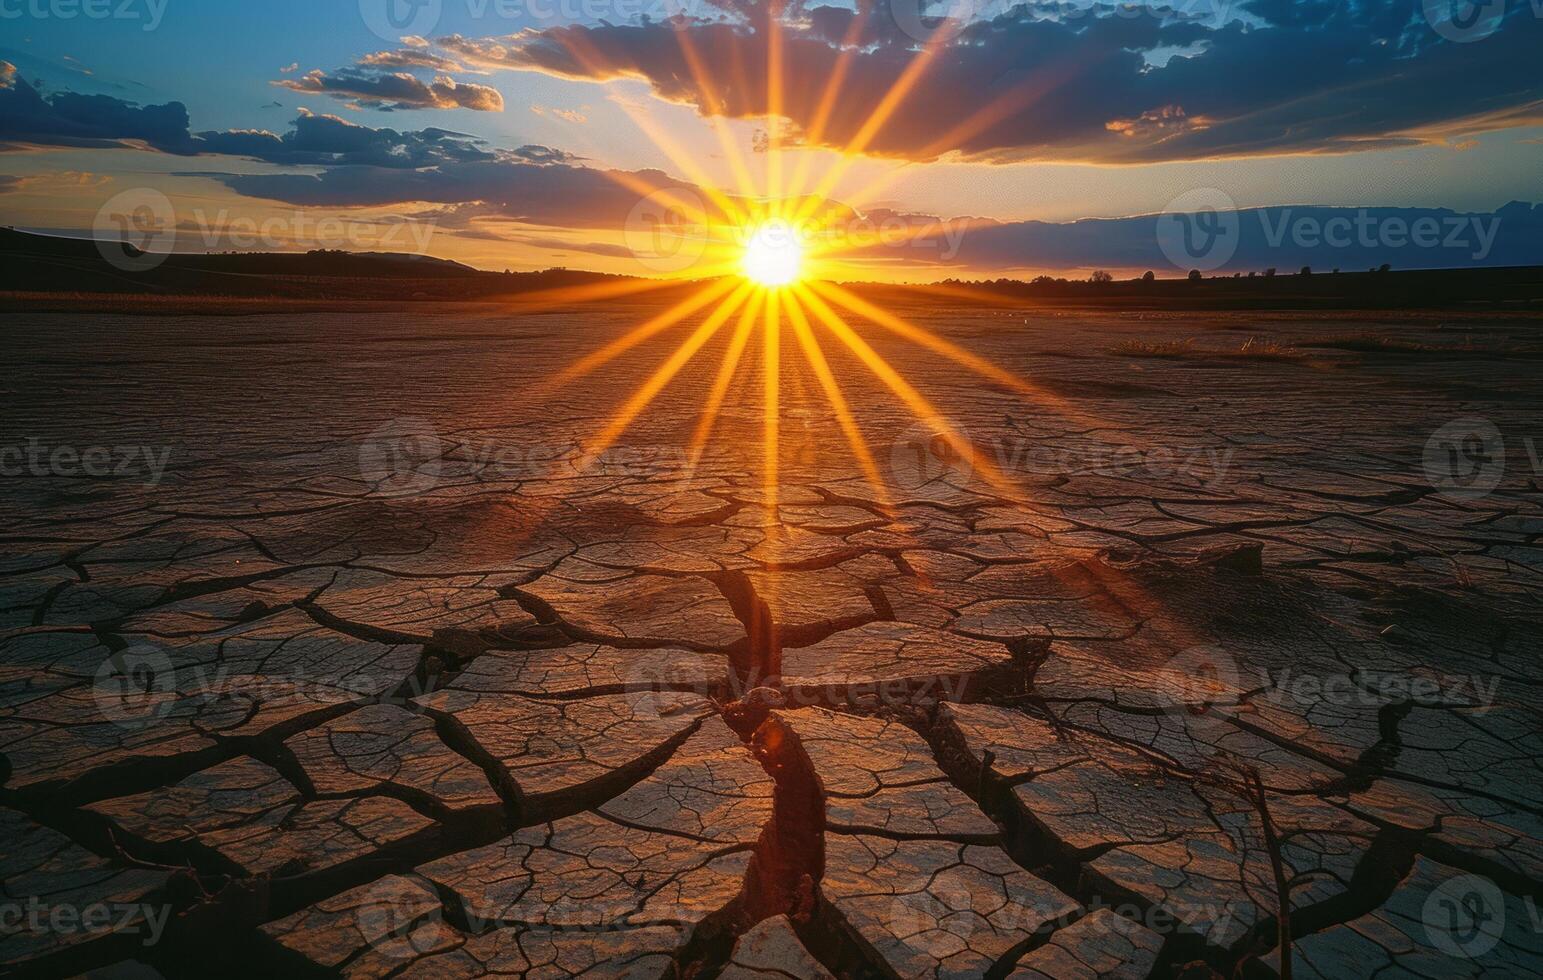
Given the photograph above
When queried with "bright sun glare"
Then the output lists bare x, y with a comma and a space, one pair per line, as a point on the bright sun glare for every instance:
773, 256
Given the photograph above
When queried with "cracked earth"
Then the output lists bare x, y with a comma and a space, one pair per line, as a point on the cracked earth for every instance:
380, 678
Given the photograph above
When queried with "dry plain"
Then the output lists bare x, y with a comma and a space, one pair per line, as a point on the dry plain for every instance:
327, 648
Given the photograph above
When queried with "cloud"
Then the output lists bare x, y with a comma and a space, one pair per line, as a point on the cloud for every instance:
72, 119
328, 141
9, 183
569, 115
1103, 86
554, 194
408, 58
397, 90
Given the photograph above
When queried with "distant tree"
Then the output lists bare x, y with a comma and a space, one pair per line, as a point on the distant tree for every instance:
1099, 277
1149, 277
1307, 270
1270, 272
1251, 273
1194, 275
1385, 268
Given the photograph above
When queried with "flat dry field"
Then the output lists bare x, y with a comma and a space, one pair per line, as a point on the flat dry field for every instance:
331, 645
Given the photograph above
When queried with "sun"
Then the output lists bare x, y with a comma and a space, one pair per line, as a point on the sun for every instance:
773, 255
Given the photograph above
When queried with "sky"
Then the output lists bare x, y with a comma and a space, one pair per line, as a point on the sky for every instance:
1000, 140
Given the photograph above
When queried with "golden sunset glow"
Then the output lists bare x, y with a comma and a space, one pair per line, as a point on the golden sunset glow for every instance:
773, 255
760, 256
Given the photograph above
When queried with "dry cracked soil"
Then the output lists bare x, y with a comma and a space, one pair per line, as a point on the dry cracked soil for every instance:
327, 648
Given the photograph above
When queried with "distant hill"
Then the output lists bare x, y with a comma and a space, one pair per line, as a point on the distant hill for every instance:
45, 264
77, 269
1516, 289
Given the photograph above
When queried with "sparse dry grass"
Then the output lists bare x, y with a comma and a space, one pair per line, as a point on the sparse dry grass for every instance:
1372, 343
1154, 348
1253, 349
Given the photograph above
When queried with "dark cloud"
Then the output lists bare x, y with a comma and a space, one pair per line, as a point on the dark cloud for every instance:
71, 119
1105, 86
327, 141
396, 90
9, 183
559, 195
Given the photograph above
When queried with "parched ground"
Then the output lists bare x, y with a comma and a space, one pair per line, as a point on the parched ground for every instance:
323, 650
